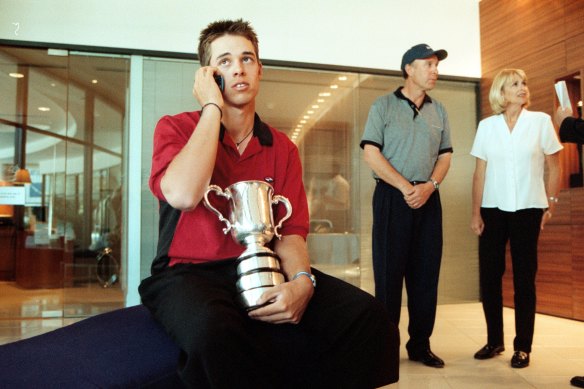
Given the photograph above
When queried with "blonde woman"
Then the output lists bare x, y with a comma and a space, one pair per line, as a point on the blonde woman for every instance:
512, 203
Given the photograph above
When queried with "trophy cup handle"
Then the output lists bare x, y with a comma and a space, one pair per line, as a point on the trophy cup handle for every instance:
275, 200
207, 203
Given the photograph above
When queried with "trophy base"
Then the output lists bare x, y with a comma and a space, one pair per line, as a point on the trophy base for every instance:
257, 271
248, 298
256, 261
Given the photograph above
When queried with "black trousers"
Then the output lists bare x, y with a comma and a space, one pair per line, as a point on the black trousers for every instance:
521, 229
344, 340
407, 244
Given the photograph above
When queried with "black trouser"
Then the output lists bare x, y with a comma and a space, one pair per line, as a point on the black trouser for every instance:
344, 340
521, 229
407, 244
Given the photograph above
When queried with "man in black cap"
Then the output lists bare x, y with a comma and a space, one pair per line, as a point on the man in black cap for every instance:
406, 143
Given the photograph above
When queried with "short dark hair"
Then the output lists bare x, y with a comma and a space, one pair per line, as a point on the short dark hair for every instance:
225, 27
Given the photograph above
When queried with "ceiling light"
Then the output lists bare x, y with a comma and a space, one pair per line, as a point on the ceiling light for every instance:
310, 112
16, 75
94, 81
342, 78
320, 101
334, 86
315, 106
306, 117
324, 94
303, 121
44, 109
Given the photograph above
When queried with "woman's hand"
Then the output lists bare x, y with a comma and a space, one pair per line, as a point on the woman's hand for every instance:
477, 225
547, 215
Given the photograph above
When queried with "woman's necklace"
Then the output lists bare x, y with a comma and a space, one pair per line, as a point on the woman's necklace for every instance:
237, 144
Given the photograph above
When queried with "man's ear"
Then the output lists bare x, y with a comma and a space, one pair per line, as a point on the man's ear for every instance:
409, 69
261, 70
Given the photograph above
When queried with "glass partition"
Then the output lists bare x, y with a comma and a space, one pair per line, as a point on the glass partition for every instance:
61, 129
324, 113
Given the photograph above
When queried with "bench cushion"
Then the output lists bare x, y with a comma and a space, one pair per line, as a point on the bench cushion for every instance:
122, 348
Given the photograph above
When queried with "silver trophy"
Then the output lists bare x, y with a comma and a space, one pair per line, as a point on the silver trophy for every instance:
251, 222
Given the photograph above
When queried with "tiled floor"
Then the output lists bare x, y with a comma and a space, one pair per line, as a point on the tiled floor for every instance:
557, 355
558, 350
29, 312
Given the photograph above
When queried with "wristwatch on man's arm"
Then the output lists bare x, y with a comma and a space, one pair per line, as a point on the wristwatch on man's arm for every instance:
307, 274
435, 183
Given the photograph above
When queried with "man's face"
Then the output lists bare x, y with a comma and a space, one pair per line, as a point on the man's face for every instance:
237, 62
424, 72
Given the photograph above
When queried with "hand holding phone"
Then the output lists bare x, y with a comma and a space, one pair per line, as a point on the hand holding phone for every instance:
220, 82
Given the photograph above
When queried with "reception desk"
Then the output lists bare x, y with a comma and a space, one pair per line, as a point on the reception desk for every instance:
40, 266
560, 277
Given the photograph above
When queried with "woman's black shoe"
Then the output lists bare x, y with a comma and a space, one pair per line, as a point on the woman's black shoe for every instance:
520, 359
489, 352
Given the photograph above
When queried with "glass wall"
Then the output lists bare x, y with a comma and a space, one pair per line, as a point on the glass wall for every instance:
61, 126
63, 122
324, 114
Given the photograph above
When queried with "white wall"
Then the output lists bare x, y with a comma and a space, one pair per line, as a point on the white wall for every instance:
360, 33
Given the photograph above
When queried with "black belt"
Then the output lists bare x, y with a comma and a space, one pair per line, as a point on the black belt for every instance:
414, 183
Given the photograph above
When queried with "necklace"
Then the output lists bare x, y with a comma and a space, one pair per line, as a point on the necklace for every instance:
244, 138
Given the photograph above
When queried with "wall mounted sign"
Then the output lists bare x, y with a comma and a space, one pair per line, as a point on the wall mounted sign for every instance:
12, 195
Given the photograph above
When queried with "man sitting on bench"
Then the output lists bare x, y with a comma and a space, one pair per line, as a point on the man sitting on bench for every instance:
304, 335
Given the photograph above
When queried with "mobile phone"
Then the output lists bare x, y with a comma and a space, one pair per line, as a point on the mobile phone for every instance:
220, 82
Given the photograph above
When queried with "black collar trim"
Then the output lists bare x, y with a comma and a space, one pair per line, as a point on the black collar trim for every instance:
400, 95
260, 130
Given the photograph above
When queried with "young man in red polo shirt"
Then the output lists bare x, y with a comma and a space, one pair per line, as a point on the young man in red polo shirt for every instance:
330, 335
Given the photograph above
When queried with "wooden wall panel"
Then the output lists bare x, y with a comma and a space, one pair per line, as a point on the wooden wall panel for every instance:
578, 271
511, 30
575, 51
574, 18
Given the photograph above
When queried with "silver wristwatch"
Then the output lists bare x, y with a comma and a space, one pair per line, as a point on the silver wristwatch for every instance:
435, 183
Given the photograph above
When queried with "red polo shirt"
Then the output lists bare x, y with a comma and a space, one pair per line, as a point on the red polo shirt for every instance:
269, 156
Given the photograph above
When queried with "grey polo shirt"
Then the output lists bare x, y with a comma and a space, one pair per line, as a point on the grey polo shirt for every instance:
409, 138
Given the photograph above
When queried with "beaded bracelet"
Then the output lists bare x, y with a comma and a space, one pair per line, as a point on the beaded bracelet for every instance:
218, 107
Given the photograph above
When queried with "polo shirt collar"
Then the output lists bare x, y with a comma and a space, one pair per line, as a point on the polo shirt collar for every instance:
400, 95
260, 130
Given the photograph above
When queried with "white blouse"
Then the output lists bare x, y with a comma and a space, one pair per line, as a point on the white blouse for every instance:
514, 178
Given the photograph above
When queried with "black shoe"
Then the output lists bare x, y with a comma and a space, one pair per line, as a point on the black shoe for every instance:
489, 352
520, 360
578, 381
427, 357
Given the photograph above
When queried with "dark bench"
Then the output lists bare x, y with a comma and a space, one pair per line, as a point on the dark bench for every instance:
125, 348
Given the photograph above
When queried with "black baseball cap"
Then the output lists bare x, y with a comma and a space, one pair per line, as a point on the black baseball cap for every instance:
419, 52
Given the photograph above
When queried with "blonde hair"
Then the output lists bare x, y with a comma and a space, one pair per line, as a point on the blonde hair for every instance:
496, 98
